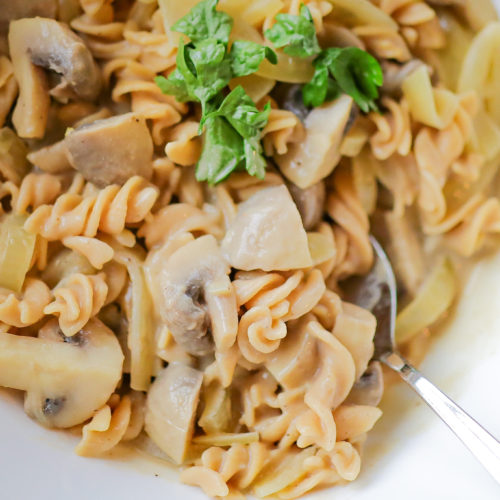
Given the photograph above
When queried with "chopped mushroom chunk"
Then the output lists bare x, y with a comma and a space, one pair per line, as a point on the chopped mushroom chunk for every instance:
37, 43
310, 203
171, 409
267, 233
314, 158
112, 150
195, 296
66, 379
52, 159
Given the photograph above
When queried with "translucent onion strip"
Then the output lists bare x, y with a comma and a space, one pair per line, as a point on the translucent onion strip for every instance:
432, 300
16, 252
141, 331
227, 439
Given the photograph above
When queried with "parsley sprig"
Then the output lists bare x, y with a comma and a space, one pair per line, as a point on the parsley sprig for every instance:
348, 70
296, 34
205, 66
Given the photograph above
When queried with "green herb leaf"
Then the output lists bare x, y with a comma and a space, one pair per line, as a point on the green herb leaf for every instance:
239, 109
349, 70
223, 151
212, 69
246, 57
203, 22
240, 113
202, 72
296, 33
174, 85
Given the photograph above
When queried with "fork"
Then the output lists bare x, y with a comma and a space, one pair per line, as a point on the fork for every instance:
376, 291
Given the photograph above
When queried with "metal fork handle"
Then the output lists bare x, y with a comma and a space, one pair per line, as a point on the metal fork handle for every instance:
480, 442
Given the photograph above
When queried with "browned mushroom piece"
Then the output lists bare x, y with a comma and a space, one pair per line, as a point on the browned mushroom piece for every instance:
171, 409
314, 158
52, 159
194, 295
310, 202
112, 150
66, 379
37, 43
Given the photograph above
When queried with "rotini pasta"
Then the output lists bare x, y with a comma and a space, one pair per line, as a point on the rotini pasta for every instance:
76, 300
108, 210
26, 309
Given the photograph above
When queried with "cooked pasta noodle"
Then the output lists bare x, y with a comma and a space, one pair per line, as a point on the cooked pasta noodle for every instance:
108, 210
26, 309
208, 321
76, 300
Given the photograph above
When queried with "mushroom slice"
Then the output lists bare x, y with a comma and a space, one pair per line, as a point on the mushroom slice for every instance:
310, 202
37, 43
171, 409
312, 159
112, 150
195, 296
267, 233
65, 379
52, 159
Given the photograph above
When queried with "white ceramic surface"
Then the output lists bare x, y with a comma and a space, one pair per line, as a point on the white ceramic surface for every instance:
410, 455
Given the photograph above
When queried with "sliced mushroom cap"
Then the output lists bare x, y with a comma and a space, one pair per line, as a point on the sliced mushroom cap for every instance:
310, 202
37, 43
267, 233
65, 379
195, 296
314, 158
171, 409
112, 150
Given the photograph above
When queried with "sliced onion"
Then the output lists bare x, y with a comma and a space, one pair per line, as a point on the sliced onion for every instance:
432, 300
16, 252
227, 439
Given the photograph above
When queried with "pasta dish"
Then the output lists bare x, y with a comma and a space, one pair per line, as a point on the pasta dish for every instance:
185, 186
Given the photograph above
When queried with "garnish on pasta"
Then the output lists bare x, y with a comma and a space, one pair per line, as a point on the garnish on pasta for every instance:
348, 70
205, 66
296, 34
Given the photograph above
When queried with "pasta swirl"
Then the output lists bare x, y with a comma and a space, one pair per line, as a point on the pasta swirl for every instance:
26, 309
109, 210
76, 300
